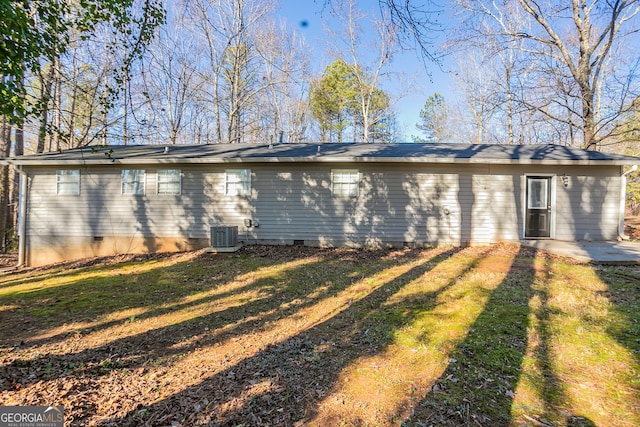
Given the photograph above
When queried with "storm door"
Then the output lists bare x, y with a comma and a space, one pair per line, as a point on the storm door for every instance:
538, 217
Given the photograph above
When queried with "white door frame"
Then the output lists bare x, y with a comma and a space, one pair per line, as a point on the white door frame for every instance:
552, 198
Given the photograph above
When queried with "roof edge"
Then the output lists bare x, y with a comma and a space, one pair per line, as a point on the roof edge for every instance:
489, 154
176, 161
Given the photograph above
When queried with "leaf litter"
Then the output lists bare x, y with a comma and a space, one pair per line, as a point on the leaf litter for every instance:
269, 345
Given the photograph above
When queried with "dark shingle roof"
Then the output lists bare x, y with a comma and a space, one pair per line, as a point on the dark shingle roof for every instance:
252, 153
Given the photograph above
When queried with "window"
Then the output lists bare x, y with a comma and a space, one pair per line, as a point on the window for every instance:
133, 181
344, 182
538, 197
169, 181
68, 182
237, 182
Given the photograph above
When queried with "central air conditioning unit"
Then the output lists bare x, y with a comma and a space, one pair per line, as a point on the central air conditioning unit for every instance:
224, 236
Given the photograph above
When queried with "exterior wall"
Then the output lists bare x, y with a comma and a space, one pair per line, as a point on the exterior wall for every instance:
588, 208
398, 204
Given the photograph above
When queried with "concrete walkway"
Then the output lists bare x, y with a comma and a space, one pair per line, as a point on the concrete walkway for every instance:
622, 253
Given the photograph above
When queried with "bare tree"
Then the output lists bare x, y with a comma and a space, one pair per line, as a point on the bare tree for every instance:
170, 78
572, 47
369, 62
77, 111
283, 111
412, 24
474, 120
231, 79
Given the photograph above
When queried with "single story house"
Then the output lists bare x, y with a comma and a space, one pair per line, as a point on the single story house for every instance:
96, 201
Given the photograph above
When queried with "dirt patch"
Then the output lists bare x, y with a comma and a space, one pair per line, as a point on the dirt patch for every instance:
8, 261
632, 227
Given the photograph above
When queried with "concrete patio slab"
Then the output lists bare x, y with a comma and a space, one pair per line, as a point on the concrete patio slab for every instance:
223, 249
623, 253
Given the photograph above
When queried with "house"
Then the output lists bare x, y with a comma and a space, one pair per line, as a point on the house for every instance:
103, 200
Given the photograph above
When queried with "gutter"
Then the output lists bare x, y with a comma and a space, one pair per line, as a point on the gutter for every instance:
623, 198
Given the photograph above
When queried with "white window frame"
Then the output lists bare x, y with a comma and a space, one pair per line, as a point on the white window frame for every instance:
345, 182
168, 182
68, 182
133, 182
237, 182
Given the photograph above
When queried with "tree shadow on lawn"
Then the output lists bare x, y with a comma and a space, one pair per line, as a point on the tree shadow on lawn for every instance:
20, 276
514, 367
619, 336
623, 292
542, 376
154, 296
277, 297
283, 383
269, 298
47, 301
92, 299
478, 386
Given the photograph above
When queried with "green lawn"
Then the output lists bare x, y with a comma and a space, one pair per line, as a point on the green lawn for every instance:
492, 336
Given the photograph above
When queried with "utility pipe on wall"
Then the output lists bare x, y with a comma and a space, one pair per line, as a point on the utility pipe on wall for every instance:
623, 198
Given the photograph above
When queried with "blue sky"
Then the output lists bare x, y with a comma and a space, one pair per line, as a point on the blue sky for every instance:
307, 16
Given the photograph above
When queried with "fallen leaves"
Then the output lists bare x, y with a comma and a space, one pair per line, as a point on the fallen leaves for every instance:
273, 335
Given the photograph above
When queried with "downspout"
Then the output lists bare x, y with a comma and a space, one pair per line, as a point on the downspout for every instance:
623, 198
22, 215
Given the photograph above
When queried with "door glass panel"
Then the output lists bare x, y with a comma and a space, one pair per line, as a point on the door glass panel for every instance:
538, 193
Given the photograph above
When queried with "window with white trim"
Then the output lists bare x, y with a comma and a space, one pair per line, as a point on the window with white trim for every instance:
238, 182
133, 181
169, 181
345, 182
68, 181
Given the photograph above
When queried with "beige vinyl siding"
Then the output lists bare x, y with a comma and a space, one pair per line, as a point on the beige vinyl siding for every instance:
101, 209
396, 204
495, 208
589, 207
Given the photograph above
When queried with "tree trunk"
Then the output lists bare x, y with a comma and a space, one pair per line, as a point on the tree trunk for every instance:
18, 150
5, 151
57, 103
125, 93
45, 95
588, 125
72, 112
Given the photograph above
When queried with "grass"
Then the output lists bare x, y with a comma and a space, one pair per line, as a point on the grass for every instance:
492, 336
